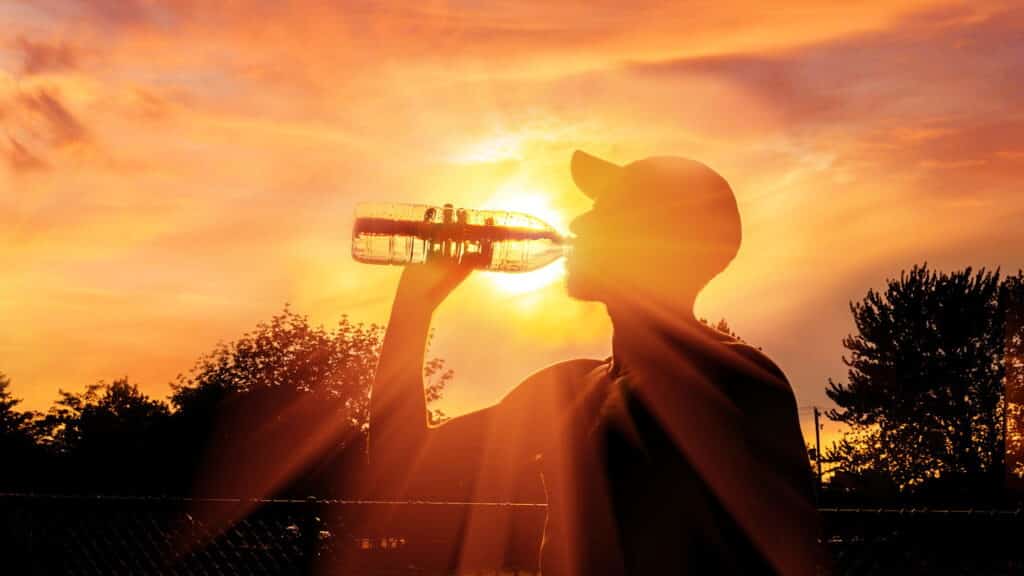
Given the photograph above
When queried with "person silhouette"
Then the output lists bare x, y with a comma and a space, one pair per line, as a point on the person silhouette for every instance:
679, 454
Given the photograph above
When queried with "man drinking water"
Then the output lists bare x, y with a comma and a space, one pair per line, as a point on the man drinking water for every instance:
680, 454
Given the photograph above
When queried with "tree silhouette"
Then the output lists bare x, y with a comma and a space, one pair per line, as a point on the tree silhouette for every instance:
282, 410
925, 395
722, 326
104, 415
15, 426
285, 407
17, 440
108, 437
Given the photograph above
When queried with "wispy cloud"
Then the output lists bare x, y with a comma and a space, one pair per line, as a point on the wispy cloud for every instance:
38, 126
40, 57
62, 127
20, 159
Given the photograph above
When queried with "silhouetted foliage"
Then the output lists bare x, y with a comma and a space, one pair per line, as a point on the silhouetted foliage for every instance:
107, 438
18, 445
104, 417
283, 387
289, 354
722, 326
15, 425
925, 394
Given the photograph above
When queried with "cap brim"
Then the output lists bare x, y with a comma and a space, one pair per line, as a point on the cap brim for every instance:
594, 176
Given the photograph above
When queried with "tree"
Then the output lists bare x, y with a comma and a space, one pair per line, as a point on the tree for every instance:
282, 410
15, 426
925, 395
17, 440
285, 406
104, 415
109, 437
289, 354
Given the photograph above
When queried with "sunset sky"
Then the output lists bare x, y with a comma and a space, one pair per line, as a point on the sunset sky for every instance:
173, 172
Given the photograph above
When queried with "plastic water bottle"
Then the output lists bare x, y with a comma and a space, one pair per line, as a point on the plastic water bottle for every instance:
484, 239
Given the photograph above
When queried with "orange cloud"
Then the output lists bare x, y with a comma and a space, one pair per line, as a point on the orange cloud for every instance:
20, 159
39, 57
61, 125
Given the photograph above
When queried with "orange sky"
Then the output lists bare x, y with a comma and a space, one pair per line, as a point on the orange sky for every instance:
173, 173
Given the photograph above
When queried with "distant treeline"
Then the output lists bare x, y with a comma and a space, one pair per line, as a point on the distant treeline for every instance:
282, 411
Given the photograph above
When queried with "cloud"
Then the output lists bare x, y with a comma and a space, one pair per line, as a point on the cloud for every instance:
39, 124
150, 105
21, 160
310, 41
777, 82
40, 57
62, 126
122, 13
938, 91
928, 64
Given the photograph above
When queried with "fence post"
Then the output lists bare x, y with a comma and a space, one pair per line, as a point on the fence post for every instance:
310, 535
817, 454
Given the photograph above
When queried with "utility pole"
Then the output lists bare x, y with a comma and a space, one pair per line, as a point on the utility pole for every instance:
817, 443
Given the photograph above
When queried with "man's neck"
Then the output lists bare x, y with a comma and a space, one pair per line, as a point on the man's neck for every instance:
634, 326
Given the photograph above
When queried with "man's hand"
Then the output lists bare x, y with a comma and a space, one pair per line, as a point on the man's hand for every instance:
427, 285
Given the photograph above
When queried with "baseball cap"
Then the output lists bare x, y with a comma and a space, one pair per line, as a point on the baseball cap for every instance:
677, 191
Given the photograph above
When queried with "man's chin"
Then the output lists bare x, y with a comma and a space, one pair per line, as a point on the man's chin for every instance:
579, 288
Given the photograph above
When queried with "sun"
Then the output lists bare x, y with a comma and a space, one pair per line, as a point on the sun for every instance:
515, 197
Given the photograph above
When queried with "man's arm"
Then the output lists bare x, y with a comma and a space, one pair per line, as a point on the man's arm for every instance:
483, 455
398, 406
480, 455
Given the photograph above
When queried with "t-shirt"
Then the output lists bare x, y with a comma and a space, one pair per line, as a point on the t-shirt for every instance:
629, 493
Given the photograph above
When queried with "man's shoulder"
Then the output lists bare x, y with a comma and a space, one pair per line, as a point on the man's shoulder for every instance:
565, 371
753, 362
555, 383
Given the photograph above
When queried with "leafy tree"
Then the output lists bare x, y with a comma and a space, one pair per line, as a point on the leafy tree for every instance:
15, 426
282, 410
925, 393
17, 440
108, 437
103, 416
288, 354
285, 403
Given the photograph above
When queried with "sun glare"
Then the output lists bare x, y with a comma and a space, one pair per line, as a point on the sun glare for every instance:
517, 198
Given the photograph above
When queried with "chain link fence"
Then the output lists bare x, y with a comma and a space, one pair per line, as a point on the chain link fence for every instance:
133, 535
